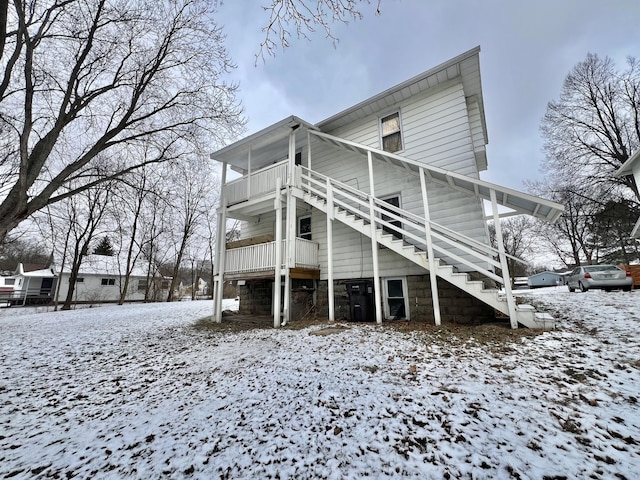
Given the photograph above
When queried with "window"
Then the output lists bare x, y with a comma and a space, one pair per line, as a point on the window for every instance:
164, 285
78, 280
142, 285
304, 227
9, 281
108, 281
391, 133
396, 306
394, 201
298, 158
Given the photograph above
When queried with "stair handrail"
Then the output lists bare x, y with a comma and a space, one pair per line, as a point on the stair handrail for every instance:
482, 252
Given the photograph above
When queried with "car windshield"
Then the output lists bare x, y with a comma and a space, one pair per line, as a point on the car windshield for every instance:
600, 268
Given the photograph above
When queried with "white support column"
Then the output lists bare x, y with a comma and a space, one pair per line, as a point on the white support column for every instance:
278, 260
221, 238
511, 304
374, 242
290, 228
290, 245
249, 175
330, 290
432, 262
220, 259
26, 291
308, 149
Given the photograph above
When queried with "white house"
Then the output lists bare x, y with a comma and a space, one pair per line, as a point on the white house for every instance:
632, 167
376, 212
28, 286
101, 279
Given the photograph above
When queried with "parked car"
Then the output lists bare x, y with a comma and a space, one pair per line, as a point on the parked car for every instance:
606, 277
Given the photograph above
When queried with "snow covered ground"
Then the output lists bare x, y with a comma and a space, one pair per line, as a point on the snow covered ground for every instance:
137, 392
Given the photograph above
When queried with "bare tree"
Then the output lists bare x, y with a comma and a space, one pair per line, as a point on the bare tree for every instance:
84, 83
304, 17
85, 213
571, 237
191, 197
518, 239
594, 127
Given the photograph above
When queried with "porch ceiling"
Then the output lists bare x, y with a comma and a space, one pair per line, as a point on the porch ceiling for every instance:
267, 146
251, 210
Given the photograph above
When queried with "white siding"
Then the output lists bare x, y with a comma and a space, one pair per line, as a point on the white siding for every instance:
92, 290
437, 130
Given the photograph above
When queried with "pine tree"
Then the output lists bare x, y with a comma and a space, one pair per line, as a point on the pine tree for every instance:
104, 248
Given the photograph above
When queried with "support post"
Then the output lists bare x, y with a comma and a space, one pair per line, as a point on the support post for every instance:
330, 289
26, 291
290, 228
511, 304
374, 242
278, 261
221, 238
249, 175
433, 278
222, 247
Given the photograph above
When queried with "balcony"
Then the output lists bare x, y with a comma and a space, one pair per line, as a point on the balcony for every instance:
259, 260
259, 183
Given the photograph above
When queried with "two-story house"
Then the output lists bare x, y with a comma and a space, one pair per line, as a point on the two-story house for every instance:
377, 212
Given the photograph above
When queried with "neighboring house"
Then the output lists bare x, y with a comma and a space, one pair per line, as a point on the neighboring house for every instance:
632, 167
29, 284
545, 279
101, 279
376, 212
199, 289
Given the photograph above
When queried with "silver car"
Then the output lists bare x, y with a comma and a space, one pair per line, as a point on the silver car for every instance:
606, 277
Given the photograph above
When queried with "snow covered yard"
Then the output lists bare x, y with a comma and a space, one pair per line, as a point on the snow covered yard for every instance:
137, 392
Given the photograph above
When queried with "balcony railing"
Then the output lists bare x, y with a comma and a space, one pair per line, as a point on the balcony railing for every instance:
262, 257
259, 183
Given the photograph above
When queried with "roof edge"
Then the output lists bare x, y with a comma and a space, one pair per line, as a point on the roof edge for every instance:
400, 86
291, 120
627, 167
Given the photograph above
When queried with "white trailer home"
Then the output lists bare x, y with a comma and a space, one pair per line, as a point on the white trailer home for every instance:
101, 279
376, 212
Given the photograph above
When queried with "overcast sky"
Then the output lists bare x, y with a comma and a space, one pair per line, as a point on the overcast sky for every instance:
527, 49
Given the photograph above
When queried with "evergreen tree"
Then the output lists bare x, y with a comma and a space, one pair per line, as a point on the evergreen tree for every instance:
104, 248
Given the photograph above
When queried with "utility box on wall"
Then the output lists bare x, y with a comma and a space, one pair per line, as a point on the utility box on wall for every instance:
361, 301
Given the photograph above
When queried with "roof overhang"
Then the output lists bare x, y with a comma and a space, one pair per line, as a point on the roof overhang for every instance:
465, 66
266, 146
628, 166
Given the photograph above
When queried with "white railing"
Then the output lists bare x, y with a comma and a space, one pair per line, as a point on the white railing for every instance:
412, 228
306, 253
262, 256
259, 183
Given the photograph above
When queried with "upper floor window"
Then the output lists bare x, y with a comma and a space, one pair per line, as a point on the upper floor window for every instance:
108, 281
391, 133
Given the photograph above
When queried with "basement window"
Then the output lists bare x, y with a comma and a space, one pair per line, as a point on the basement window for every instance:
396, 302
391, 133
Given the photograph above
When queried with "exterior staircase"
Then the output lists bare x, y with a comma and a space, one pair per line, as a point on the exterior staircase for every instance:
354, 208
